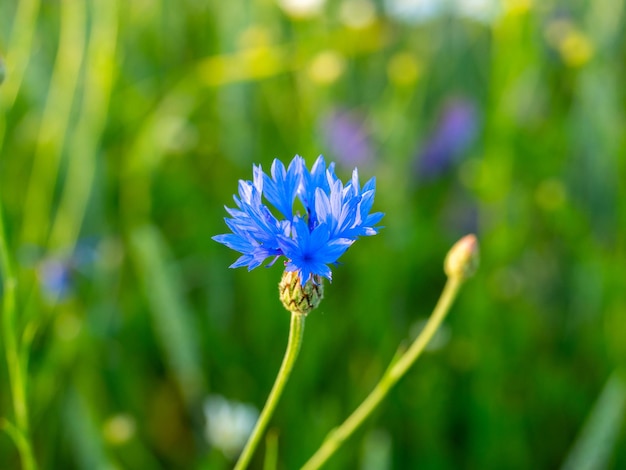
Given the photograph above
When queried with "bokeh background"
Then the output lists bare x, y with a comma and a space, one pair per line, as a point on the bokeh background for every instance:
124, 128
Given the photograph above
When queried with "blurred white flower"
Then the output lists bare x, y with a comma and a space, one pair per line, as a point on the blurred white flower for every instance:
421, 11
483, 11
301, 8
228, 424
414, 11
357, 13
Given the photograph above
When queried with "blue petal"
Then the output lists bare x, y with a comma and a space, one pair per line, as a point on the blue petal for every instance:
311, 252
281, 189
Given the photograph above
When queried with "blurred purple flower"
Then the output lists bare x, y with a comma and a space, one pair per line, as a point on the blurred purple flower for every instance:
455, 132
346, 137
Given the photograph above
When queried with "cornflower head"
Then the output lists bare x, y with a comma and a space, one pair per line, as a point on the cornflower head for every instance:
265, 225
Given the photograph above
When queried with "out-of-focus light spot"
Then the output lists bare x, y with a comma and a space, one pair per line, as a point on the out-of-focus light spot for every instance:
403, 69
357, 13
67, 326
574, 47
262, 62
484, 11
422, 11
119, 429
414, 11
247, 64
254, 36
326, 67
301, 8
228, 424
551, 194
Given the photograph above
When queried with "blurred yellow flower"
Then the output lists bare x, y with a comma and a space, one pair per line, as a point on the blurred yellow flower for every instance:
574, 46
119, 429
326, 67
576, 49
404, 68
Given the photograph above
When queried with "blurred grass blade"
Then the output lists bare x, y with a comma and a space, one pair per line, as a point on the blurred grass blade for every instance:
376, 450
86, 442
160, 128
17, 57
605, 21
21, 442
55, 121
170, 313
19, 50
270, 461
596, 440
99, 76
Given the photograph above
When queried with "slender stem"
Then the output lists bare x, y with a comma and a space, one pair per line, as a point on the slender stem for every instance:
394, 373
296, 330
15, 365
21, 442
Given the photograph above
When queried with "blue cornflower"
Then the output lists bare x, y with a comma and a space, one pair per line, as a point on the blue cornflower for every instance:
335, 215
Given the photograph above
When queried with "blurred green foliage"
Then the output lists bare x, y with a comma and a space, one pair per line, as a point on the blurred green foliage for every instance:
124, 127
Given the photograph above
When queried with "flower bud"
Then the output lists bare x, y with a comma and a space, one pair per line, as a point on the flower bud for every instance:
462, 260
298, 298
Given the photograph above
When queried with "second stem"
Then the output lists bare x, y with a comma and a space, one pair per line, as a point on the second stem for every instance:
394, 373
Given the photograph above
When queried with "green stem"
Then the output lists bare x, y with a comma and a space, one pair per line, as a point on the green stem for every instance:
394, 373
15, 365
21, 442
293, 347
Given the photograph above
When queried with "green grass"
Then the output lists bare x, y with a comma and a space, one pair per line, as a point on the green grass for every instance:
124, 127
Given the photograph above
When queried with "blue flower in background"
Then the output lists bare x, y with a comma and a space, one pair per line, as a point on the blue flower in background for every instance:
56, 278
335, 216
455, 132
58, 273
